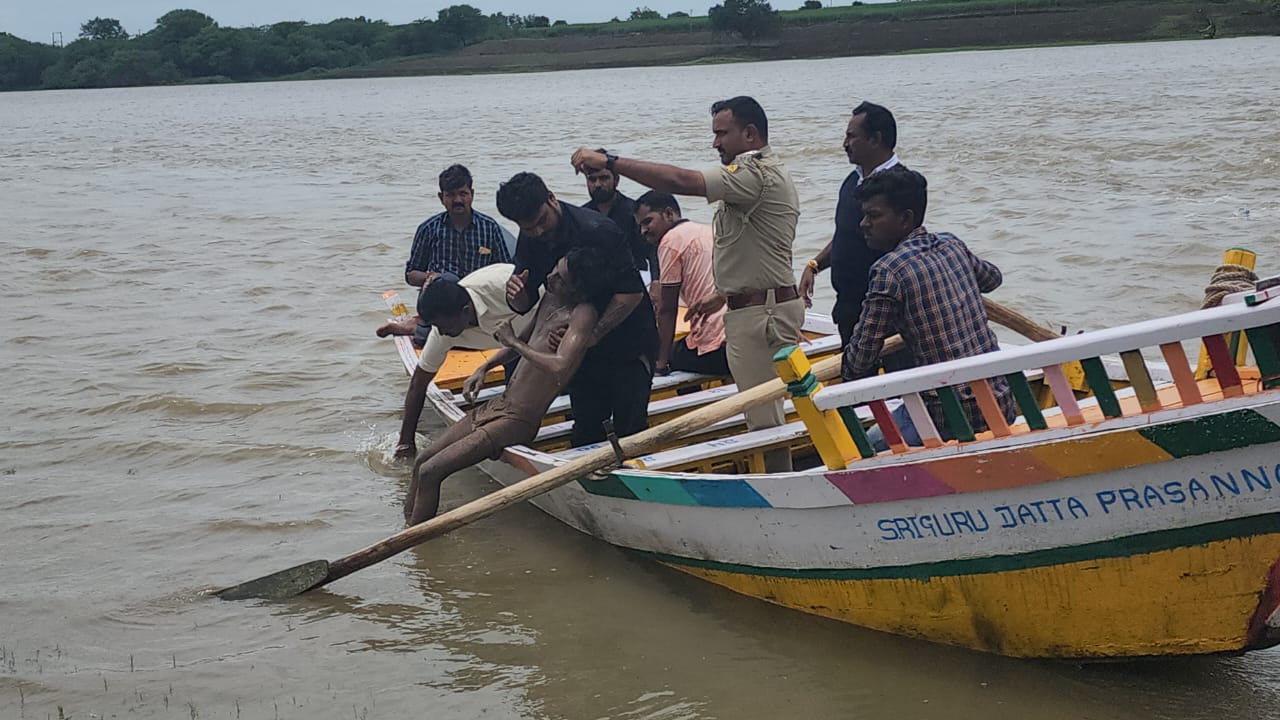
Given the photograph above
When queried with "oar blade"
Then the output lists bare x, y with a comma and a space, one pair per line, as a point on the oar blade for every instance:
281, 585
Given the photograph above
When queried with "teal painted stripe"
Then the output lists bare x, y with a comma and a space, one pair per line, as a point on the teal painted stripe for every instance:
1118, 548
656, 488
724, 493
1200, 436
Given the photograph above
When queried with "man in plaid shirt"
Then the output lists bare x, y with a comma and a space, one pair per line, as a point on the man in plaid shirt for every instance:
928, 287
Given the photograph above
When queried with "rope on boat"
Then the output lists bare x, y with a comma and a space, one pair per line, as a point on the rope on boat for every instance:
1228, 278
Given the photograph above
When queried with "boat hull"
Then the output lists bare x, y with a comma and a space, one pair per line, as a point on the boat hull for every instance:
1206, 591
1103, 546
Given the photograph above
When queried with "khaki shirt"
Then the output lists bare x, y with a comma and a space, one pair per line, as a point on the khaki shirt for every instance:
755, 223
488, 290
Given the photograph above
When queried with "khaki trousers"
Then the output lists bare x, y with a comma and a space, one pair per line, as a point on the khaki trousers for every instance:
752, 336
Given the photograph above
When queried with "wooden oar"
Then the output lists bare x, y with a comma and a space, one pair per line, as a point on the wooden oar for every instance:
301, 578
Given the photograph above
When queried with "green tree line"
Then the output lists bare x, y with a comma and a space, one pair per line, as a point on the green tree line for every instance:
187, 45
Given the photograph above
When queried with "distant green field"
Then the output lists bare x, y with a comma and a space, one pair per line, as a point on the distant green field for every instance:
840, 13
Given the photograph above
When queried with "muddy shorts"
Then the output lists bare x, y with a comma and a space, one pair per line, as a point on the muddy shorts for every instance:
500, 426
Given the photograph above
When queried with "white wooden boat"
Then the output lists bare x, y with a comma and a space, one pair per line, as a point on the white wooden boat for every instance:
1140, 521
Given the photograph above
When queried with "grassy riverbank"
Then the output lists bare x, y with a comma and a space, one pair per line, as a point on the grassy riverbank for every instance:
926, 25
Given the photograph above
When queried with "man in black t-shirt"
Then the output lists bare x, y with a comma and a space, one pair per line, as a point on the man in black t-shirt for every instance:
614, 378
606, 199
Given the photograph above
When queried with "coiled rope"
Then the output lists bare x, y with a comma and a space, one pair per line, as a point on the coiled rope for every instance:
1228, 278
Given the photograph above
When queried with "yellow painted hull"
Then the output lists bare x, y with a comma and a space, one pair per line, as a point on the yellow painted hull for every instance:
1181, 601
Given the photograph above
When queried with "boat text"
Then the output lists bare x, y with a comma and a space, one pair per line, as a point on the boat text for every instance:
1072, 508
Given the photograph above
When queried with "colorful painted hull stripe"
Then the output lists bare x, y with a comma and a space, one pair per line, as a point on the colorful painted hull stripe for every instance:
1015, 467
1128, 546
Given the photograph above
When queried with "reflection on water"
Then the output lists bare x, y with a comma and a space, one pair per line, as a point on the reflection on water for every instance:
196, 396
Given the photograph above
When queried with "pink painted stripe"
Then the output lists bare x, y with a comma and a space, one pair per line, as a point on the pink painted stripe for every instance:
887, 484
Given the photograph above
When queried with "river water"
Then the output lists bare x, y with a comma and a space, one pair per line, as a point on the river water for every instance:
193, 394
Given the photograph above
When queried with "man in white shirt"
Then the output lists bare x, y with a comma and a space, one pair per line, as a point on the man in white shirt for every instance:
462, 314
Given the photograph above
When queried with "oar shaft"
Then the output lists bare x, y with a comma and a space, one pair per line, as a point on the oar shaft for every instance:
639, 444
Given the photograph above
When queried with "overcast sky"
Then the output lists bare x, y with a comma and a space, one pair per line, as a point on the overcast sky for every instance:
39, 19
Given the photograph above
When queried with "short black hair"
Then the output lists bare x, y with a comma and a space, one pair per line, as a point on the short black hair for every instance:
878, 119
658, 201
902, 189
746, 111
441, 297
521, 197
454, 177
594, 273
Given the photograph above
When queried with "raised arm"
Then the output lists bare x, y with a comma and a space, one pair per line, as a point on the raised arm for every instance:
664, 178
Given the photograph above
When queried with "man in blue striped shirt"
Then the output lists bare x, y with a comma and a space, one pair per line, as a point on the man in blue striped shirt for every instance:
456, 242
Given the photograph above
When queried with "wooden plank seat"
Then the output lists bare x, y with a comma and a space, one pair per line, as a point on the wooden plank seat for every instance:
661, 385
732, 447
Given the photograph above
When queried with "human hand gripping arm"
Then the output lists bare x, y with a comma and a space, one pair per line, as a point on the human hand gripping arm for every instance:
660, 177
704, 308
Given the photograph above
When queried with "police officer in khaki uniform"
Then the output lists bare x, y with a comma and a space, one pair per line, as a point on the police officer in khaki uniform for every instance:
755, 227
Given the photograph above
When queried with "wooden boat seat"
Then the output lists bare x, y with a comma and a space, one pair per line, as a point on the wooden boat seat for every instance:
662, 385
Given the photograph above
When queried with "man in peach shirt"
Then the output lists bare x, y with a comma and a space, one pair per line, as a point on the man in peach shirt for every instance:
684, 254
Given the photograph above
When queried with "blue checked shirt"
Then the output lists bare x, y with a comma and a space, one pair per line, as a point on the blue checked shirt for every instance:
929, 289
439, 248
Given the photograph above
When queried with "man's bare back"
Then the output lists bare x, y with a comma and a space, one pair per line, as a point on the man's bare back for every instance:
531, 389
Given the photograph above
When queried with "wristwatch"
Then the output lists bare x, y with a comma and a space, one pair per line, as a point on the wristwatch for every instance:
609, 160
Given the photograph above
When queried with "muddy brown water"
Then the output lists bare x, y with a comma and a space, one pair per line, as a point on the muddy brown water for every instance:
193, 394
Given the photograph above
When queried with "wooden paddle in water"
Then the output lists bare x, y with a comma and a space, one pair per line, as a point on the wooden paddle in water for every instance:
301, 578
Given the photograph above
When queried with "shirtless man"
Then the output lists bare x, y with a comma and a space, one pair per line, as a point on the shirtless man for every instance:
577, 289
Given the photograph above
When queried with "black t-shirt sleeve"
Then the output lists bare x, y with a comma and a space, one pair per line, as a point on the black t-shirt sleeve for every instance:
609, 237
529, 256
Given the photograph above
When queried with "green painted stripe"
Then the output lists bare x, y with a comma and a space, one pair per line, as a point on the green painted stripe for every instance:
1262, 339
1118, 548
1026, 399
1101, 386
611, 486
657, 489
854, 425
953, 412
1200, 436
